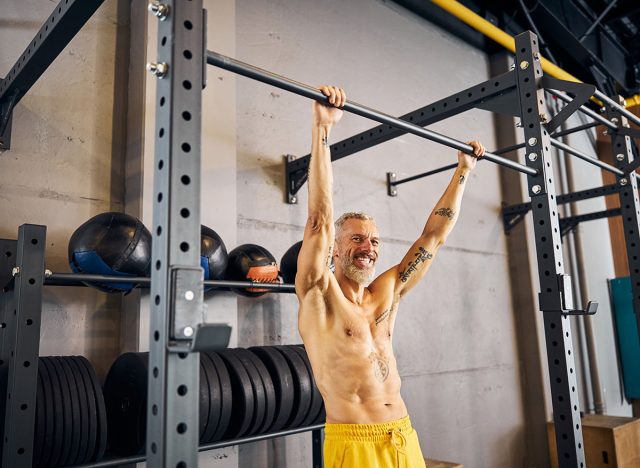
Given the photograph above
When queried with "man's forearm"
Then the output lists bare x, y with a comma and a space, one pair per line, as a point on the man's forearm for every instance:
445, 213
320, 177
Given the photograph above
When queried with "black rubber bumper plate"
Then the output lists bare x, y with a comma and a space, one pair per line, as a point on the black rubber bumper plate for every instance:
243, 401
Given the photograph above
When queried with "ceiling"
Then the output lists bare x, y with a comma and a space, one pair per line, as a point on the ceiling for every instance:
597, 41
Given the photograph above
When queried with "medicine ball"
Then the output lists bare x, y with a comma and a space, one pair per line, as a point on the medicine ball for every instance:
250, 262
289, 263
113, 244
213, 254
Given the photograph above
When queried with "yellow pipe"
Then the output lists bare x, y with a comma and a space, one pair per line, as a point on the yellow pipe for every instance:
493, 32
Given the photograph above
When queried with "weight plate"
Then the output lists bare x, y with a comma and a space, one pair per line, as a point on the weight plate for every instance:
260, 408
125, 396
316, 397
243, 401
67, 428
76, 421
210, 386
301, 386
226, 396
282, 379
269, 392
58, 413
87, 401
101, 439
49, 411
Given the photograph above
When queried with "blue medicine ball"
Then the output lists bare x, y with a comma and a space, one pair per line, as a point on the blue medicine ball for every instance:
111, 244
213, 254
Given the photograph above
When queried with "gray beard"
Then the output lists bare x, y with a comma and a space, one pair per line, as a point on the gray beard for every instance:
356, 274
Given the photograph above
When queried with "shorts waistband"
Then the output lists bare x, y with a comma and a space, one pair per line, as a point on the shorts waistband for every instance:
366, 432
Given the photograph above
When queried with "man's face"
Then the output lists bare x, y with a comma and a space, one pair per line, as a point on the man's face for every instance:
356, 250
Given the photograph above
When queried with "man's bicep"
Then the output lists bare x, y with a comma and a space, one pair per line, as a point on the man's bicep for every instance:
314, 257
413, 266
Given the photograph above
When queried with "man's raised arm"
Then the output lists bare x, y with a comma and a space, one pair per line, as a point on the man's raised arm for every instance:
315, 255
418, 259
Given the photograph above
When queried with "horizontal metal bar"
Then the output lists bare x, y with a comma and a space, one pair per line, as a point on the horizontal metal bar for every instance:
567, 198
203, 448
585, 157
235, 66
579, 128
76, 279
570, 223
617, 107
585, 110
499, 151
424, 174
68, 17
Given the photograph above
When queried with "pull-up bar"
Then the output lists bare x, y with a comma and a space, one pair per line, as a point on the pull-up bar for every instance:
244, 69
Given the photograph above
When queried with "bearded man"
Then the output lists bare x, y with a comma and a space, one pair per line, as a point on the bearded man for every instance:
346, 317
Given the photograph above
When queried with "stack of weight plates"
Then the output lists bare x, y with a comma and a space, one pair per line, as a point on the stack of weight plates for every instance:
71, 422
242, 392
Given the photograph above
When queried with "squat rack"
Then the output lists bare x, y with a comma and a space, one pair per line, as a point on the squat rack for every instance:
176, 286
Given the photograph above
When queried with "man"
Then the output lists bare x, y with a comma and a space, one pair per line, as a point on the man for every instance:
347, 325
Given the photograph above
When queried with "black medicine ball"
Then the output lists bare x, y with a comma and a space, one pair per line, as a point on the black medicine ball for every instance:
289, 263
213, 254
250, 262
113, 244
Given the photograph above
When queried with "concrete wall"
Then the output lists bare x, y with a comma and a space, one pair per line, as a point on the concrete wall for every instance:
65, 166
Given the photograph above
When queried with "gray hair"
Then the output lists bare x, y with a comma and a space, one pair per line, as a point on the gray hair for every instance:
351, 215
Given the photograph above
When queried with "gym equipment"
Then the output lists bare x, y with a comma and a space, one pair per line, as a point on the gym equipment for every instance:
213, 254
70, 418
282, 379
226, 400
111, 244
289, 263
243, 399
259, 398
251, 262
317, 403
301, 386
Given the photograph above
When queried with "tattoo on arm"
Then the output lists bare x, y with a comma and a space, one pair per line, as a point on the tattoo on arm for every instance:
461, 181
380, 366
380, 318
329, 255
325, 141
448, 212
422, 255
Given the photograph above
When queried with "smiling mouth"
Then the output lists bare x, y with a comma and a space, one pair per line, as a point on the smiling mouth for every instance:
363, 261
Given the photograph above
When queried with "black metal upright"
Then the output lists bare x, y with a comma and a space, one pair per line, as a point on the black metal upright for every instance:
176, 280
20, 348
622, 146
555, 294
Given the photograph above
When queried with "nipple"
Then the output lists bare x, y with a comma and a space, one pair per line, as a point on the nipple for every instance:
349, 332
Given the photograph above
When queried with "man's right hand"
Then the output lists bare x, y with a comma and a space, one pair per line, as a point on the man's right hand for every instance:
325, 115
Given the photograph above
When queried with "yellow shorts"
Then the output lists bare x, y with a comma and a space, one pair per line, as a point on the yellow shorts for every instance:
392, 444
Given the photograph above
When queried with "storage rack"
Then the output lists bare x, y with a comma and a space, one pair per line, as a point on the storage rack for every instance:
177, 330
175, 273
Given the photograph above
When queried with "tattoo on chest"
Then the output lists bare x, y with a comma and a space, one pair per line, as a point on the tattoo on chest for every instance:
461, 180
448, 212
422, 255
380, 366
382, 316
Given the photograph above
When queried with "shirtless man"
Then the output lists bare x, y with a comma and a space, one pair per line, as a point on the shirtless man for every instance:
347, 325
